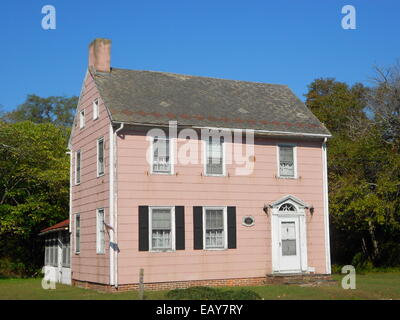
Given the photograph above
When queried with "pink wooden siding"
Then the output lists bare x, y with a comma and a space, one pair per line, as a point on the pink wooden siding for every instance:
189, 188
93, 191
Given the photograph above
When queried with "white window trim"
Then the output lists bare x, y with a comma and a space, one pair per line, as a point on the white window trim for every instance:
294, 160
171, 156
80, 233
82, 119
76, 166
97, 158
172, 229
98, 244
225, 217
205, 154
96, 107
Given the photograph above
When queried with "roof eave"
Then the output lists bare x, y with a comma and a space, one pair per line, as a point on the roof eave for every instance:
256, 131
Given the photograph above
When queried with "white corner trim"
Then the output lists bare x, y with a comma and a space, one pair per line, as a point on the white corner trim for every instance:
111, 204
326, 208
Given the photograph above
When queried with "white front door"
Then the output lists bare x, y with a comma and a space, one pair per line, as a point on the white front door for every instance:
289, 245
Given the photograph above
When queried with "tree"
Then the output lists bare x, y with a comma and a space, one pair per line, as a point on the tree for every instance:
58, 110
34, 187
384, 102
364, 174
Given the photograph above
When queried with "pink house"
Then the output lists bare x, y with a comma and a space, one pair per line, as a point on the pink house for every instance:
194, 180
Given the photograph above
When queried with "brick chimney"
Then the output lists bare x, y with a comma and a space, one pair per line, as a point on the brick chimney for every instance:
99, 55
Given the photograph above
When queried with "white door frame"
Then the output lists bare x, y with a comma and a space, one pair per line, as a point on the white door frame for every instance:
276, 218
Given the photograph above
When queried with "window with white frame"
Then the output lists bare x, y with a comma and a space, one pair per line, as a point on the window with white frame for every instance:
82, 119
287, 162
78, 167
161, 155
77, 233
161, 229
215, 156
100, 157
96, 109
100, 238
215, 228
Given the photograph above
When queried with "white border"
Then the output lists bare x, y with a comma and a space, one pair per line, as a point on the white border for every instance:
80, 167
225, 218
82, 119
205, 154
80, 233
171, 155
97, 158
96, 107
326, 208
300, 214
172, 209
294, 145
98, 251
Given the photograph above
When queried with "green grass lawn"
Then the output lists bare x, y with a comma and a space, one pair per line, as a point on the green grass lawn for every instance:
369, 286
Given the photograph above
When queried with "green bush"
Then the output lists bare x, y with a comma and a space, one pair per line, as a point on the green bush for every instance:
206, 293
17, 269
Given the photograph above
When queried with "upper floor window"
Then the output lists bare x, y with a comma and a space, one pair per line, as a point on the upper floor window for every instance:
215, 228
100, 239
82, 119
287, 165
214, 165
161, 229
100, 157
95, 109
162, 155
77, 233
78, 167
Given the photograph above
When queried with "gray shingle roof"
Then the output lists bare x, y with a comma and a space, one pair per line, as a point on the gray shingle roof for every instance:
158, 97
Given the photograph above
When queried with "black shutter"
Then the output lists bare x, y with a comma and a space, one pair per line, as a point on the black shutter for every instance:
231, 227
143, 228
198, 228
180, 228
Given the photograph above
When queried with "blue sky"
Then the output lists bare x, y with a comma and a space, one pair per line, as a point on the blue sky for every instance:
289, 42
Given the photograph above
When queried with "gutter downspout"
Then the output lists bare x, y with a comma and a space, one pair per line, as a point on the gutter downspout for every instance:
114, 205
326, 207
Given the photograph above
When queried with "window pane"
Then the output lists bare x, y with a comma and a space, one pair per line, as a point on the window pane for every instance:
100, 231
214, 155
100, 159
161, 155
95, 109
82, 119
77, 233
78, 167
286, 162
214, 229
161, 229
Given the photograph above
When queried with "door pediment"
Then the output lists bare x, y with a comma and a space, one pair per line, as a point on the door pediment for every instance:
291, 200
